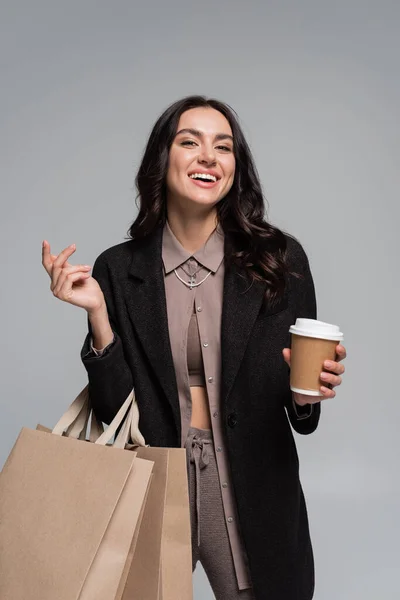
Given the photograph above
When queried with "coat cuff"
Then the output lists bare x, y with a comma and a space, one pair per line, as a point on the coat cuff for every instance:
94, 352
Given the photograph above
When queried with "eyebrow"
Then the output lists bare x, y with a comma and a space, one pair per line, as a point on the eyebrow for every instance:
197, 133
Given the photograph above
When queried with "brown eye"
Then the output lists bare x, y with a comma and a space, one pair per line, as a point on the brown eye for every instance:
224, 148
188, 143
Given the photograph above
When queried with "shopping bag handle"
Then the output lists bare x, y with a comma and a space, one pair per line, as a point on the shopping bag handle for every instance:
79, 426
128, 417
74, 413
74, 422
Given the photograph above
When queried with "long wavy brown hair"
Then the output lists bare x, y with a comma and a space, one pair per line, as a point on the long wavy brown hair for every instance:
255, 246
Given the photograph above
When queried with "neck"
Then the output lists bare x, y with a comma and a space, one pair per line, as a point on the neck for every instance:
192, 231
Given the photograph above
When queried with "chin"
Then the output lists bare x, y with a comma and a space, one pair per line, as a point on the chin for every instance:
197, 199
203, 202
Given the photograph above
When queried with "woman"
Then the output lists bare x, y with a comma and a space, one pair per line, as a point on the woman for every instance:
193, 312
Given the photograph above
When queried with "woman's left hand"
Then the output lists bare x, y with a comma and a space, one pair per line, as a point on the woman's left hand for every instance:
331, 376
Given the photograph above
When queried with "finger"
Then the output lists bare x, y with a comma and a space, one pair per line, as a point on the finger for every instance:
334, 367
64, 273
64, 255
340, 352
60, 262
74, 268
65, 292
327, 392
286, 355
46, 256
329, 378
54, 256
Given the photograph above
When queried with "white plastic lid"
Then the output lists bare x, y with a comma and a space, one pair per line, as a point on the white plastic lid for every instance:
316, 329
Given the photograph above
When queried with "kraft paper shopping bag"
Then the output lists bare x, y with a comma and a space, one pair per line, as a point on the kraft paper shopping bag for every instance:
164, 544
127, 555
69, 511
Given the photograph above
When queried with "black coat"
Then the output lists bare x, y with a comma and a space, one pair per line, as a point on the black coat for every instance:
256, 400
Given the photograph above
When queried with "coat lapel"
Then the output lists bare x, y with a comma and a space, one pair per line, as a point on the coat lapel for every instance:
146, 304
242, 303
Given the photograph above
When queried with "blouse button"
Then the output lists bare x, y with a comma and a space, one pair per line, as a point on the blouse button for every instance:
205, 344
230, 519
210, 379
232, 420
199, 308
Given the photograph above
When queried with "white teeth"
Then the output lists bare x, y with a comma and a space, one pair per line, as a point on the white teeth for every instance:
205, 176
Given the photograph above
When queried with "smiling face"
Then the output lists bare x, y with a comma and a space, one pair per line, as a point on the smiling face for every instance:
201, 159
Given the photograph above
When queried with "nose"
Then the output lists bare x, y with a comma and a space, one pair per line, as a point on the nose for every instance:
207, 155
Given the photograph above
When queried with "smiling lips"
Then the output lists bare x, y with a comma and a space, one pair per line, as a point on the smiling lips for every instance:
205, 180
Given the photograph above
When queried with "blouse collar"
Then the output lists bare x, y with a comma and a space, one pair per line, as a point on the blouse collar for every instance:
210, 255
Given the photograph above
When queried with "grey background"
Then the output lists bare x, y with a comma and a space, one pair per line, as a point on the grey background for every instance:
316, 85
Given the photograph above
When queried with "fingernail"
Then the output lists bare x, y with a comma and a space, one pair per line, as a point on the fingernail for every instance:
328, 364
324, 375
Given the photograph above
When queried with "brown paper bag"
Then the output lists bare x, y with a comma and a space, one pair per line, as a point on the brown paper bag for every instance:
154, 544
164, 543
68, 513
161, 519
176, 551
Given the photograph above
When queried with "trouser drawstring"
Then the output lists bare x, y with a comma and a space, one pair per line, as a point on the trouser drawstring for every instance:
199, 455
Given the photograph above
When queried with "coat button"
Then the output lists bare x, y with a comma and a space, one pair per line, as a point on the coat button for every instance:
232, 420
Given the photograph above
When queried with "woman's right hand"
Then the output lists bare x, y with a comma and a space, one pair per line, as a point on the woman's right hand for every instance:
72, 284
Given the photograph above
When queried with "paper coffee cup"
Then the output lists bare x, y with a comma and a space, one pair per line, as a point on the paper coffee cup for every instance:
313, 342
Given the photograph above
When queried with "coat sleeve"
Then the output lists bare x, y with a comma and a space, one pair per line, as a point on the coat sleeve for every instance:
110, 378
304, 420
